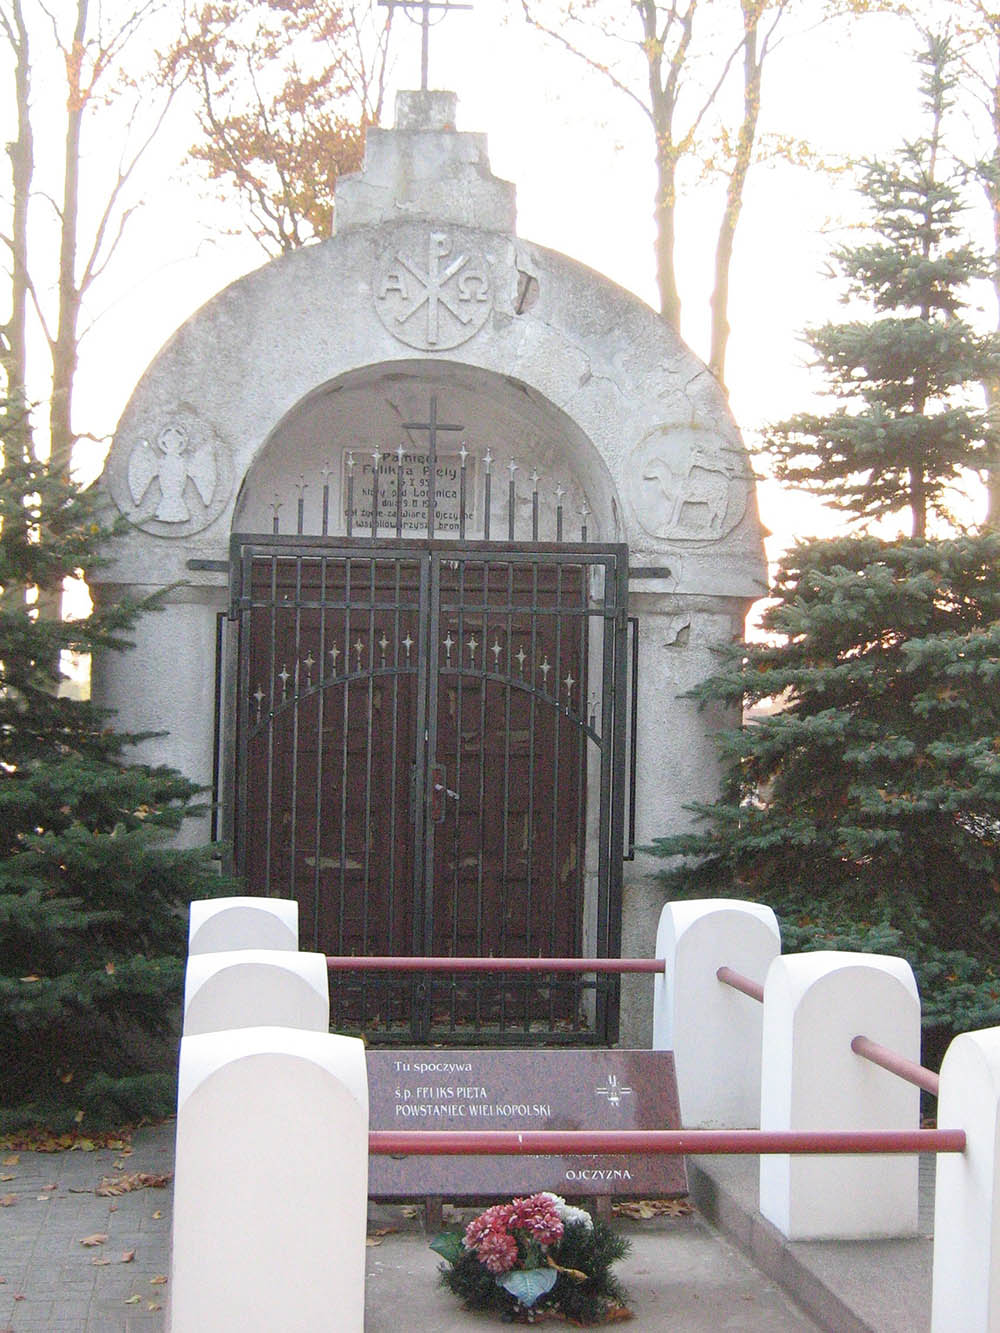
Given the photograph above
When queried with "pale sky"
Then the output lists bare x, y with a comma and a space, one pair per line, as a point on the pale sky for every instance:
579, 154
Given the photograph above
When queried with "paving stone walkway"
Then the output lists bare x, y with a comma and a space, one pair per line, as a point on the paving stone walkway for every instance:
683, 1274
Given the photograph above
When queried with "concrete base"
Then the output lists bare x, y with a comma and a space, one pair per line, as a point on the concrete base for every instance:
869, 1286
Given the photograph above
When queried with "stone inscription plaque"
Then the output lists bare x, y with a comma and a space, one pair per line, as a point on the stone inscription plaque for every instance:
412, 472
519, 1090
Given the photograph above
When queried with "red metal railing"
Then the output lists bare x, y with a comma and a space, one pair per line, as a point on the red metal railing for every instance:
741, 983
882, 1056
365, 963
675, 1142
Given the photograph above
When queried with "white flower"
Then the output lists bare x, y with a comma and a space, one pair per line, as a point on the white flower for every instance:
567, 1213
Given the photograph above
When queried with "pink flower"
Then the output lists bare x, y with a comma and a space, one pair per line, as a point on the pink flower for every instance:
493, 1220
498, 1251
537, 1215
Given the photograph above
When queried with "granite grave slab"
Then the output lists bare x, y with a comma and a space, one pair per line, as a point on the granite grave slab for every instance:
438, 1089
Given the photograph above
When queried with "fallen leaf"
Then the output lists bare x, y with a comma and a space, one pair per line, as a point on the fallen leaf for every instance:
127, 1256
100, 1263
53, 1186
157, 1281
31, 978
157, 1215
643, 1209
111, 1186
7, 1200
3, 1281
110, 969
43, 1198
67, 1077
12, 1160
133, 1300
98, 1238
8, 1176
409, 1210
618, 1313
19, 1296
154, 1305
84, 1145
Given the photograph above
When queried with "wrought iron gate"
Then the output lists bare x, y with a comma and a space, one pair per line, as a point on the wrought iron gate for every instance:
430, 760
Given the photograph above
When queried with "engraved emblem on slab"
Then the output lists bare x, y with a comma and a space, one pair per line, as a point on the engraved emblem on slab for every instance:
433, 294
172, 483
688, 484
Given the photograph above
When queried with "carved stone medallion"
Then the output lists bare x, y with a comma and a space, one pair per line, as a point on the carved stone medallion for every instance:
688, 484
173, 482
431, 293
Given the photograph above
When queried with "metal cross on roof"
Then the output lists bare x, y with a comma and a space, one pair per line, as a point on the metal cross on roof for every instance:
425, 7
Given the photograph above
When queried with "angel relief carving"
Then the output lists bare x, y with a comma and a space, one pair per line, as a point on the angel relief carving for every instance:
173, 462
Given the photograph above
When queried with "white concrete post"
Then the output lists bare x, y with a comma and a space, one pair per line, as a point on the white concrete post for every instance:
966, 1297
248, 988
713, 1030
814, 1005
266, 1236
218, 924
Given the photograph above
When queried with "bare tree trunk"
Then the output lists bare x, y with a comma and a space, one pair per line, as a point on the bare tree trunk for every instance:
64, 347
753, 68
22, 162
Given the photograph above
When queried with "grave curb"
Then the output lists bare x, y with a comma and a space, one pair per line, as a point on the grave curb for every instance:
845, 1286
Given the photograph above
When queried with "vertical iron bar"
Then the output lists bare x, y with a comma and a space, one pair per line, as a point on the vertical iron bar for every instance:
275, 506
432, 468
456, 777
618, 570
534, 506
376, 461
573, 907
584, 511
482, 784
366, 884
220, 622
633, 622
293, 829
487, 493
399, 493
463, 454
345, 723
433, 656
349, 463
320, 709
394, 814
505, 820
532, 714
272, 721
325, 526
300, 507
560, 492
510, 501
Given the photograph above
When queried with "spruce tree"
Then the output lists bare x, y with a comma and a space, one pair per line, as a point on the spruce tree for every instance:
92, 919
863, 800
909, 420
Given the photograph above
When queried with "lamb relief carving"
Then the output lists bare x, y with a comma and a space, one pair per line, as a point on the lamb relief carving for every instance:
688, 484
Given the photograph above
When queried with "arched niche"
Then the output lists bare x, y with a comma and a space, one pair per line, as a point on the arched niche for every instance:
506, 426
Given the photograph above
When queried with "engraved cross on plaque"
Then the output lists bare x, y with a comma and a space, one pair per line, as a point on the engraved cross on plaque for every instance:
432, 426
425, 7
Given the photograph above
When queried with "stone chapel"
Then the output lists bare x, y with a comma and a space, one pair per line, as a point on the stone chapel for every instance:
449, 523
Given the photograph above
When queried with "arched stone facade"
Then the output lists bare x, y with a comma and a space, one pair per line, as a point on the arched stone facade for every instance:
427, 290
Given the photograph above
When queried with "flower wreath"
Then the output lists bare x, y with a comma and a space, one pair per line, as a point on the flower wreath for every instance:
534, 1256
